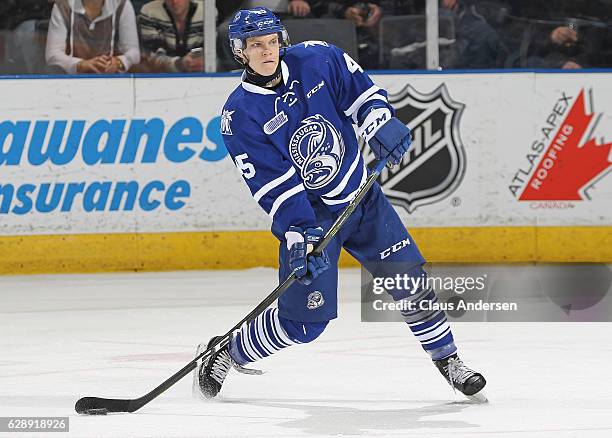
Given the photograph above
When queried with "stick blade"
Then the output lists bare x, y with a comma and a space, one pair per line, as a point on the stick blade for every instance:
100, 406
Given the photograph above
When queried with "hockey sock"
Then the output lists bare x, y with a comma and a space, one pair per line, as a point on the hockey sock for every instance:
430, 326
269, 333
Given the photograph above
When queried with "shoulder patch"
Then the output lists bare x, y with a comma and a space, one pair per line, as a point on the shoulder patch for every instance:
226, 122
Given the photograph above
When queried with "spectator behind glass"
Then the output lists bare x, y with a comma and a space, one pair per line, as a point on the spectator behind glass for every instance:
570, 34
282, 9
92, 36
477, 44
366, 16
172, 36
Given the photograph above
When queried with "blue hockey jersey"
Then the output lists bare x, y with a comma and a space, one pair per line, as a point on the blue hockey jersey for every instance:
298, 141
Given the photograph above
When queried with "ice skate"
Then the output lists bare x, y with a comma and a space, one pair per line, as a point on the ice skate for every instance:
462, 378
209, 375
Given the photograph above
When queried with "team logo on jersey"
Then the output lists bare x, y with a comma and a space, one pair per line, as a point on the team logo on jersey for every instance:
226, 120
315, 300
317, 148
434, 166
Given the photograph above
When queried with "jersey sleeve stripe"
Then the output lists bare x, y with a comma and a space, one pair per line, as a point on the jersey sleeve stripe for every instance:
361, 99
375, 96
274, 183
345, 180
282, 198
351, 195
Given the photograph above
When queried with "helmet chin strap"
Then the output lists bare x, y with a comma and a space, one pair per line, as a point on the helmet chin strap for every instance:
260, 80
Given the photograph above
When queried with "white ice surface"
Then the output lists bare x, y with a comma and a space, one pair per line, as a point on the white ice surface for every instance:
120, 335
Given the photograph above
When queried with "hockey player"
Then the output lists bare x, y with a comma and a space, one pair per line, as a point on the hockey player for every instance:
289, 129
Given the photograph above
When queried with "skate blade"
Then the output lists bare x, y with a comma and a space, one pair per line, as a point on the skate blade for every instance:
478, 398
195, 386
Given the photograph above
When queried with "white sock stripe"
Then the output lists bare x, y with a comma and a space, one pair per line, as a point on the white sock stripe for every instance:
275, 330
263, 337
437, 338
271, 344
424, 321
263, 352
246, 346
267, 332
243, 344
420, 332
253, 350
433, 333
281, 330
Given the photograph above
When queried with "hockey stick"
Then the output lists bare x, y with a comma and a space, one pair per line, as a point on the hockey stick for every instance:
102, 406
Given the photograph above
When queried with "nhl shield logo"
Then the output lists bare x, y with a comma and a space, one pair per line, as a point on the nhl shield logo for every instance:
435, 164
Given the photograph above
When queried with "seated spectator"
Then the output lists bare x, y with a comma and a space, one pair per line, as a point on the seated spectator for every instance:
92, 36
282, 9
366, 16
172, 36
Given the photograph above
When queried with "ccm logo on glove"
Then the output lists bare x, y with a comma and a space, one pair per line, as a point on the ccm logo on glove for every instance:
391, 140
372, 123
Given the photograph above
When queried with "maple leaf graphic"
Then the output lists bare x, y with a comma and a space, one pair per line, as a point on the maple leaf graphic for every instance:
566, 167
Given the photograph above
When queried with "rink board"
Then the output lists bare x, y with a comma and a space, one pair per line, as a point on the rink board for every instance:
247, 249
130, 173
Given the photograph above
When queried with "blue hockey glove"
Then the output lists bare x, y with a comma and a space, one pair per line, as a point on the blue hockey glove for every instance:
300, 243
391, 140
